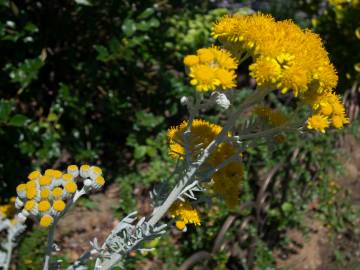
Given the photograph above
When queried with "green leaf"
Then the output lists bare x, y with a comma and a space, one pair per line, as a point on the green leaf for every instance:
18, 120
103, 53
146, 13
52, 117
83, 2
129, 27
287, 207
5, 110
154, 22
140, 151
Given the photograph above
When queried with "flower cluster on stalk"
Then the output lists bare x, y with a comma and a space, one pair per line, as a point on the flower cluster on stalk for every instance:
287, 58
46, 196
224, 181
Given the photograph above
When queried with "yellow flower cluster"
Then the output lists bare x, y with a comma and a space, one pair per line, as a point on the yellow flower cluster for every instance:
226, 181
285, 57
273, 117
45, 196
184, 214
328, 109
211, 68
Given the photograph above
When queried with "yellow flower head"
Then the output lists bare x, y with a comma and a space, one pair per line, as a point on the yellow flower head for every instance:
30, 205
45, 180
59, 205
338, 121
44, 206
211, 68
31, 192
44, 194
46, 221
57, 192
100, 180
67, 177
70, 187
202, 132
318, 122
49, 172
265, 71
34, 175
294, 78
204, 78
226, 78
191, 60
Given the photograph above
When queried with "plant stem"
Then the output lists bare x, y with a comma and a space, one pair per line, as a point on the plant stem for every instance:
9, 250
50, 242
188, 176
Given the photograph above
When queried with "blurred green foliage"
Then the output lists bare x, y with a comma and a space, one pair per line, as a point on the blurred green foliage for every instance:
79, 77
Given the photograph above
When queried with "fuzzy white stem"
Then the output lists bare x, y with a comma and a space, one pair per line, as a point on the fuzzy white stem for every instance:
49, 249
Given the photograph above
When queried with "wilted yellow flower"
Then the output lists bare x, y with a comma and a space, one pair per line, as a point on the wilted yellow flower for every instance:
273, 117
227, 182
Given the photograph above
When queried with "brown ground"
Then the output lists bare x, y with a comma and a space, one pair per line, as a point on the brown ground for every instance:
83, 224
316, 252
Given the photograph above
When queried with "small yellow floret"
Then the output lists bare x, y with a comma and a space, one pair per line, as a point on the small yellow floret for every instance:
191, 60
29, 205
44, 194
68, 177
226, 77
44, 206
31, 184
97, 170
34, 175
45, 180
57, 192
49, 172
46, 221
57, 174
204, 78
84, 167
72, 168
205, 55
265, 71
31, 192
100, 180
71, 187
318, 122
59, 205
180, 224
326, 108
21, 188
